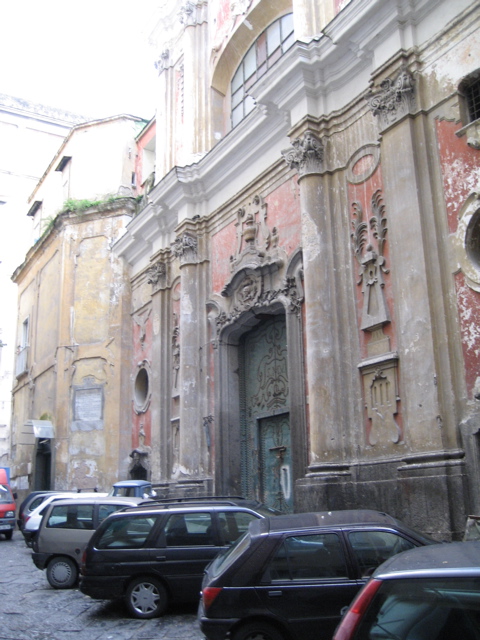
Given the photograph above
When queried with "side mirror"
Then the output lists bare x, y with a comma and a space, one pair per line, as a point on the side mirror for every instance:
15, 495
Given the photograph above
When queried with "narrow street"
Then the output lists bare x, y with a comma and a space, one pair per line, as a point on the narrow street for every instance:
31, 610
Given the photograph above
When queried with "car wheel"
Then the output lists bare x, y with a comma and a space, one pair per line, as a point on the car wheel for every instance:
146, 598
258, 631
8, 535
62, 573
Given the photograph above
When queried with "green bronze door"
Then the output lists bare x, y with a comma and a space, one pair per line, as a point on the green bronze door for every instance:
265, 425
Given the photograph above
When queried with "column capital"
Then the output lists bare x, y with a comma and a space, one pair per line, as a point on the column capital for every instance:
305, 154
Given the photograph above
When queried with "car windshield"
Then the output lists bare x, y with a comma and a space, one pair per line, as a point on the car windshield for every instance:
5, 494
424, 609
228, 557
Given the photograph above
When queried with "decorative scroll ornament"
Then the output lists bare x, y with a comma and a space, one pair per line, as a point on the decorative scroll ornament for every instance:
372, 263
251, 298
395, 99
185, 247
156, 273
305, 155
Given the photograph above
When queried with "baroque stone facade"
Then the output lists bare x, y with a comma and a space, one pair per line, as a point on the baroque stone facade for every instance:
305, 270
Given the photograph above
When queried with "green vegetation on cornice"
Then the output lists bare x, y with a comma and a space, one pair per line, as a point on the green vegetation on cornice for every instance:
79, 206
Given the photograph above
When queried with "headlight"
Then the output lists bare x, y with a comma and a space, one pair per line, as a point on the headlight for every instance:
9, 514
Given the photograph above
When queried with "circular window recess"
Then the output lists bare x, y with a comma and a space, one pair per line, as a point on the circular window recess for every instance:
466, 242
142, 390
472, 239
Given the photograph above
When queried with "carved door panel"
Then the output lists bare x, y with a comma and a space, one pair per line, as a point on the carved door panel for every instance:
265, 427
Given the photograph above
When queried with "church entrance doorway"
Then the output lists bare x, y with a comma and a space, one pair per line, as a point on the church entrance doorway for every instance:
266, 456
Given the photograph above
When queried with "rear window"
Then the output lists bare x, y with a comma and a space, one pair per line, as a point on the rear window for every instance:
424, 609
371, 548
228, 557
72, 516
126, 533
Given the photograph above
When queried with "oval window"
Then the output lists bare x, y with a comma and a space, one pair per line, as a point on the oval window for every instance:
141, 390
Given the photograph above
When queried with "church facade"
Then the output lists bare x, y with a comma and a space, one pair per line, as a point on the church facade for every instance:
305, 270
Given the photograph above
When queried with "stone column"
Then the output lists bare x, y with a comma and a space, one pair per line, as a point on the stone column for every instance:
192, 454
306, 155
196, 94
311, 17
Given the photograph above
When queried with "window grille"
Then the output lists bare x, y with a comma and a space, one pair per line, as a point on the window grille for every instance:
472, 94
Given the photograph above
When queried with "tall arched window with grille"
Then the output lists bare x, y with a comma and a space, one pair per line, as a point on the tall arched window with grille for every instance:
264, 52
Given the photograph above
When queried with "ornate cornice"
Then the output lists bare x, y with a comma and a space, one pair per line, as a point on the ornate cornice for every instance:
305, 155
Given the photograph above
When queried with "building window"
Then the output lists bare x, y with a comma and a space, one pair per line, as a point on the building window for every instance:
263, 53
141, 389
472, 95
22, 350
469, 89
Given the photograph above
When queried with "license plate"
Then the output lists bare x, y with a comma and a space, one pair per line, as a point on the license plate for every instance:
4, 527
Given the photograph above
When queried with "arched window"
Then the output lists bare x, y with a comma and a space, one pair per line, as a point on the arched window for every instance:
263, 53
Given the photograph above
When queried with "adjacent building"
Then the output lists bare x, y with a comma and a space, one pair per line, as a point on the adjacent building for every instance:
305, 272
30, 135
71, 410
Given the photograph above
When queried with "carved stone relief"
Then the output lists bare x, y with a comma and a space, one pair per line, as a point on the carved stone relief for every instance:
175, 353
156, 274
141, 320
305, 155
381, 400
185, 248
394, 99
372, 262
193, 13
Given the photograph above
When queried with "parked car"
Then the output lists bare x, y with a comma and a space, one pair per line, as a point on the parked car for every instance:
30, 503
65, 529
150, 556
133, 488
32, 522
289, 577
7, 506
423, 594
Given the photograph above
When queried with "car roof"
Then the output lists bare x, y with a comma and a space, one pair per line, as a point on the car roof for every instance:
126, 500
439, 560
185, 508
132, 483
349, 517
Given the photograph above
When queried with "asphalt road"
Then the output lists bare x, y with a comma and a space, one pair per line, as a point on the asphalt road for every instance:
31, 610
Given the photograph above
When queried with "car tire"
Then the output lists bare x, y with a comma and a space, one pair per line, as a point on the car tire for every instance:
62, 573
146, 598
8, 535
258, 631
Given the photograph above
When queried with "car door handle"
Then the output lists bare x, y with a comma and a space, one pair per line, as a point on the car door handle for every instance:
275, 594
161, 558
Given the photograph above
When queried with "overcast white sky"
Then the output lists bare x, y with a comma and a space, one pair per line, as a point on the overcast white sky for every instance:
90, 57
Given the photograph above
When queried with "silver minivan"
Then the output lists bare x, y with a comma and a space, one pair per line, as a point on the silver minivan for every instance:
66, 527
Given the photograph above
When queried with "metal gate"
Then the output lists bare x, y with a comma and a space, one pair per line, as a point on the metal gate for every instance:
265, 424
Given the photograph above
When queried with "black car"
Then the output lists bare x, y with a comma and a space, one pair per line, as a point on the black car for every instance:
423, 594
152, 555
291, 576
